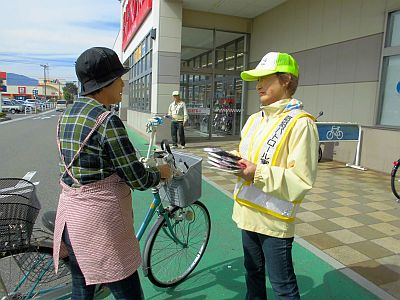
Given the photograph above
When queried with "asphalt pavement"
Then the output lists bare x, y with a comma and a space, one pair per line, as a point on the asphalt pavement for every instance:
28, 144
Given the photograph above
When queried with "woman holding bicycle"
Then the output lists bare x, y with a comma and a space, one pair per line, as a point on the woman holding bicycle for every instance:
279, 150
99, 168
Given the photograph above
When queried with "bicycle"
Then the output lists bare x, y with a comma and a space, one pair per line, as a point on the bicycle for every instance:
174, 246
319, 146
395, 180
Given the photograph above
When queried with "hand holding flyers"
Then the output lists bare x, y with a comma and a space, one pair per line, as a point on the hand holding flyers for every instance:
224, 161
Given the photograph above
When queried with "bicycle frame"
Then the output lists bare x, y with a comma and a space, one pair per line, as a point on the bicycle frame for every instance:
156, 205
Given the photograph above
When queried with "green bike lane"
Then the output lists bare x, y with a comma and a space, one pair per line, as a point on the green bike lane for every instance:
220, 273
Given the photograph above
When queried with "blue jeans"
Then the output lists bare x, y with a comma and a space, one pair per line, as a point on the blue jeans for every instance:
274, 254
125, 289
177, 128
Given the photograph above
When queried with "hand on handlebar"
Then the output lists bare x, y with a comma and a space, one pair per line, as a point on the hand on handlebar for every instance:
165, 172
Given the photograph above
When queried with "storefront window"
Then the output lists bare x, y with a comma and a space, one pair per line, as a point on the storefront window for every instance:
239, 62
390, 80
211, 62
140, 63
393, 36
220, 59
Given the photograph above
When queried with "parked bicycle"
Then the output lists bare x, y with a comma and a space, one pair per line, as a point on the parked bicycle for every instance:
319, 147
174, 246
395, 180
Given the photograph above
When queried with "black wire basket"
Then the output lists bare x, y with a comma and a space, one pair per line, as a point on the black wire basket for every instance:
39, 266
19, 208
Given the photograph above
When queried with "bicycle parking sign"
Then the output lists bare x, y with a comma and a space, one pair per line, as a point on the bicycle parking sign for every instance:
334, 132
342, 131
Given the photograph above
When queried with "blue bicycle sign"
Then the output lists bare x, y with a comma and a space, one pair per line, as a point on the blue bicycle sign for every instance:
331, 132
335, 132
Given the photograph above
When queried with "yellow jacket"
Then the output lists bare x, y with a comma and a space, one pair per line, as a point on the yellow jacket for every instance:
290, 180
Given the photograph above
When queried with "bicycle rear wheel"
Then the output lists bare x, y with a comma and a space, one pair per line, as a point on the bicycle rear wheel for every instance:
395, 179
168, 263
30, 274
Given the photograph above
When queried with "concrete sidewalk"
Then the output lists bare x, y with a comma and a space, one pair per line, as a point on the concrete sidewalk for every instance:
347, 243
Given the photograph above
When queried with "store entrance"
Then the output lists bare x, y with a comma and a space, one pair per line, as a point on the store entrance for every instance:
210, 82
213, 103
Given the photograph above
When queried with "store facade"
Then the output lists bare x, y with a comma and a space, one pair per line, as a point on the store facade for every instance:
348, 52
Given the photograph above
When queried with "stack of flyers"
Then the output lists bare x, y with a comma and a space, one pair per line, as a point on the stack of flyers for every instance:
221, 160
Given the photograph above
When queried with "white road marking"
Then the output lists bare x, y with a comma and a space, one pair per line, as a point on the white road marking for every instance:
29, 175
27, 117
21, 184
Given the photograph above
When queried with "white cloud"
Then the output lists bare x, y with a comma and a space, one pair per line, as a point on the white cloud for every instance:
54, 32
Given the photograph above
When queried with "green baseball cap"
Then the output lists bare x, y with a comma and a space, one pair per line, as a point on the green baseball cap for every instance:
271, 63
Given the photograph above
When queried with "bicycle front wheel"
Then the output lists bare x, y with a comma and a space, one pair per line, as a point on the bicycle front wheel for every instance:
167, 262
30, 274
395, 180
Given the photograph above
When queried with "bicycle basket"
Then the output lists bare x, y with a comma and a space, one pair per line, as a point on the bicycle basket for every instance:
19, 208
183, 190
38, 266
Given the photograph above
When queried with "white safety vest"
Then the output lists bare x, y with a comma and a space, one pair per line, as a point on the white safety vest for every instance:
267, 152
178, 111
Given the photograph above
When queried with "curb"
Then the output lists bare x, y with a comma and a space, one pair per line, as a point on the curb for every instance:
27, 117
5, 119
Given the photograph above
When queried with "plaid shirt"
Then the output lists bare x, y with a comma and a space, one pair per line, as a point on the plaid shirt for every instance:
107, 151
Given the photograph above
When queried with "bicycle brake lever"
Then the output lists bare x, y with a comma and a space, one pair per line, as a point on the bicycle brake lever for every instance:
165, 146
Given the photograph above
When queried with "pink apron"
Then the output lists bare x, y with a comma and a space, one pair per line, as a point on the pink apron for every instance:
99, 217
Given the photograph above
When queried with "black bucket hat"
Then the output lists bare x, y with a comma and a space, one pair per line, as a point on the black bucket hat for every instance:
97, 67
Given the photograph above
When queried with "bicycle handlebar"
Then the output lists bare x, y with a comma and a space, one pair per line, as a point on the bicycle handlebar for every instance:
165, 156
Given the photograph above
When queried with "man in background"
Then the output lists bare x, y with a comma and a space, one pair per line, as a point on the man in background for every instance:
177, 111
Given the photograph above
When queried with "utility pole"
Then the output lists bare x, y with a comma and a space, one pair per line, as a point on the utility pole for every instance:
45, 67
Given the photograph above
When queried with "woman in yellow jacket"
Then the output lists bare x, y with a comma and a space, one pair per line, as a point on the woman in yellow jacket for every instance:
279, 149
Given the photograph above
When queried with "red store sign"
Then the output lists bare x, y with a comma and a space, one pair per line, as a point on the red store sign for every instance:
21, 90
135, 13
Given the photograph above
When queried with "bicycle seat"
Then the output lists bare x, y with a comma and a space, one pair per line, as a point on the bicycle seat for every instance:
49, 219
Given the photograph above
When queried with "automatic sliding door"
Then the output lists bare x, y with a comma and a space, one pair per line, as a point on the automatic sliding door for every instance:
196, 91
211, 62
227, 106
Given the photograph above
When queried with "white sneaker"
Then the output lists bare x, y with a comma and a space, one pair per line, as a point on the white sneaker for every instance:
174, 146
183, 147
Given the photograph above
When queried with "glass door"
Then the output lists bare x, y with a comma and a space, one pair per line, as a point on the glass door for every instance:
227, 106
197, 94
211, 62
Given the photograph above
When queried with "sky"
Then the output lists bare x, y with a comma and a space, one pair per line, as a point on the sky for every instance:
54, 33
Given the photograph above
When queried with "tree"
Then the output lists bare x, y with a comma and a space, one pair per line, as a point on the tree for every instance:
70, 90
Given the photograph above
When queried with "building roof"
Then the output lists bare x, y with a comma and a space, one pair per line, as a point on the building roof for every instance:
16, 79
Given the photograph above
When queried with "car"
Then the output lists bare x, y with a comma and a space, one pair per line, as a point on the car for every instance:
31, 103
19, 101
15, 102
10, 106
61, 105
